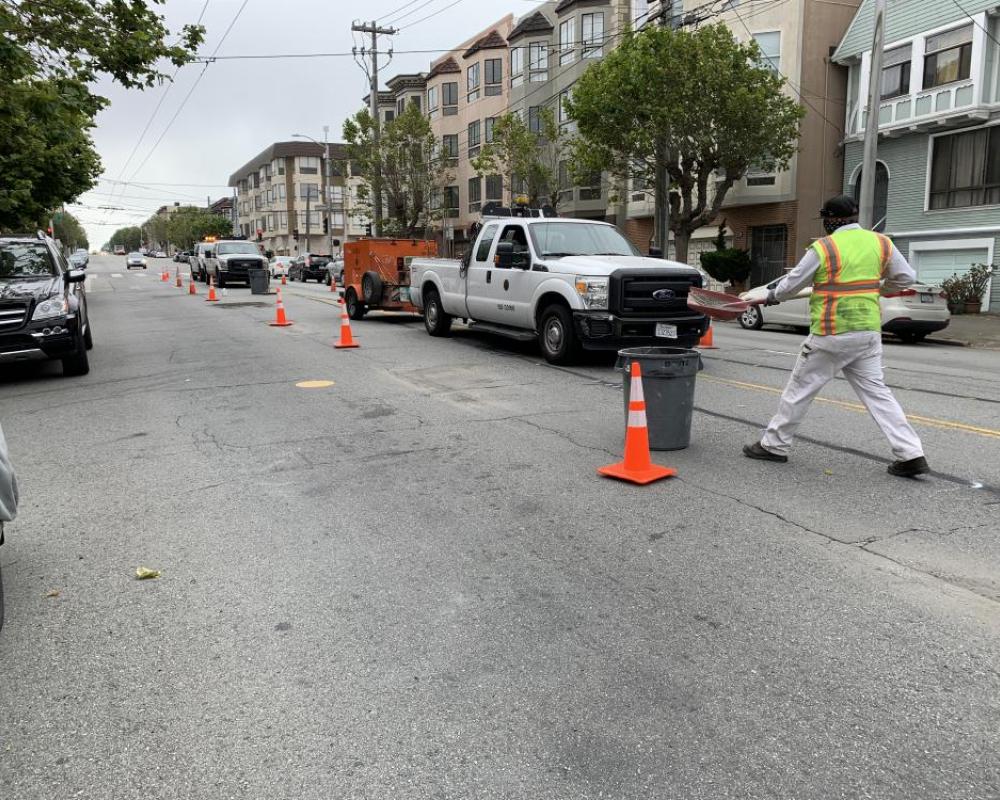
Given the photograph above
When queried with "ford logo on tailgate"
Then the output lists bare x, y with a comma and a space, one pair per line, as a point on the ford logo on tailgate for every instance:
664, 294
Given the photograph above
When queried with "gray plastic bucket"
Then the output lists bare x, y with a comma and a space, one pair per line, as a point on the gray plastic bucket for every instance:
259, 279
668, 376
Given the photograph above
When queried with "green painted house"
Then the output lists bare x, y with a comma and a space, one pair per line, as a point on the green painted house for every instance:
938, 173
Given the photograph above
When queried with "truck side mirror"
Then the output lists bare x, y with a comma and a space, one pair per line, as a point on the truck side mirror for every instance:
504, 257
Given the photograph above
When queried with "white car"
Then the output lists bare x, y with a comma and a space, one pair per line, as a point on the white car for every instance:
137, 260
279, 265
911, 314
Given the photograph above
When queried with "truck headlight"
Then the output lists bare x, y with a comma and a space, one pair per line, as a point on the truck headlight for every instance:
57, 306
593, 291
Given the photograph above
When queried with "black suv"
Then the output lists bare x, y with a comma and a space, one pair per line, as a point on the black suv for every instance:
43, 306
309, 266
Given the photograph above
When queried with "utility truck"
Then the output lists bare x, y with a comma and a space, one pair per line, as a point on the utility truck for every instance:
567, 283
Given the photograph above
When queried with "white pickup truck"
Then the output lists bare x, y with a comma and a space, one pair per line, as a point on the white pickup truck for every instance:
568, 283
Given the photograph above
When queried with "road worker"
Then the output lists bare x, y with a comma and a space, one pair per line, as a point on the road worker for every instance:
848, 269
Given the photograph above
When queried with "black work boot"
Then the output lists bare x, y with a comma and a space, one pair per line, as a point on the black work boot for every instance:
909, 469
757, 451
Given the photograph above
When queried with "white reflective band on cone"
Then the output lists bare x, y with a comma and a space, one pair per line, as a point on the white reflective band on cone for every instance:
637, 419
635, 391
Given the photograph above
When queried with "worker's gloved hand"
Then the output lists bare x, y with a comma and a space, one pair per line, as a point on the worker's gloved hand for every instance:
771, 301
746, 297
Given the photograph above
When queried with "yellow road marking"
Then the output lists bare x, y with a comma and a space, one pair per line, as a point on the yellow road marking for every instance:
314, 384
931, 422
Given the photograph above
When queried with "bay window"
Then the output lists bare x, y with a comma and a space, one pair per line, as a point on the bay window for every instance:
948, 57
965, 169
896, 72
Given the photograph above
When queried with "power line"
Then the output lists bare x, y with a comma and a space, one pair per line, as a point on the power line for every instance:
976, 22
396, 19
434, 14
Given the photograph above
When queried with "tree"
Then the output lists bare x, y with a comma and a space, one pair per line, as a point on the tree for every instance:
687, 111
528, 161
68, 230
51, 55
413, 172
189, 225
129, 238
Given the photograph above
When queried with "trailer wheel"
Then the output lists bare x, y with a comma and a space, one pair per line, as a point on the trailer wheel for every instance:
371, 288
355, 308
437, 322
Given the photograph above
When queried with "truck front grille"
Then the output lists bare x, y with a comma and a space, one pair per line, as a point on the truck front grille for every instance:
655, 295
12, 316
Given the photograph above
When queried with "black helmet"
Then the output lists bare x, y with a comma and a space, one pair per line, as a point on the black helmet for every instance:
839, 207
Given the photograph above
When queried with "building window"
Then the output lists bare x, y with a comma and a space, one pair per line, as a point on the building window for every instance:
591, 188
475, 194
451, 201
432, 99
770, 49
565, 187
472, 82
538, 62
415, 101
948, 57
270, 222
965, 169
473, 138
592, 35
516, 66
567, 41
308, 165
400, 106
449, 98
489, 125
282, 220
279, 191
755, 176
494, 188
390, 115
309, 190
563, 113
896, 72
535, 119
449, 146
640, 10
494, 76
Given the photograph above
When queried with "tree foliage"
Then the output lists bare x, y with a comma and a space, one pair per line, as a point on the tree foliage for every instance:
696, 103
51, 55
130, 238
189, 225
68, 230
413, 172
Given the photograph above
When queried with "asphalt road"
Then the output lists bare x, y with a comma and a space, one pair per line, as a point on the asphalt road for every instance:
412, 584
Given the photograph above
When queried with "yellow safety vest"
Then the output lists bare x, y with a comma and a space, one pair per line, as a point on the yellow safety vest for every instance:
846, 289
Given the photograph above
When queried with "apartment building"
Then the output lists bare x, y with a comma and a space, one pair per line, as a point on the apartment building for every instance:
281, 194
937, 177
774, 215
466, 91
550, 47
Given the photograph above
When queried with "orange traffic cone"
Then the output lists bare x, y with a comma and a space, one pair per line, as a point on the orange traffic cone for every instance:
280, 321
346, 340
192, 289
211, 292
283, 281
179, 283
637, 466
164, 276
705, 342
333, 283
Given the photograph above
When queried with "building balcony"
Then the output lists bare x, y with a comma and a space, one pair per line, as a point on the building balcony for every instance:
950, 106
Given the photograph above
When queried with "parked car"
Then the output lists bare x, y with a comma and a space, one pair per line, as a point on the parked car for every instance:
911, 314
309, 266
182, 256
135, 260
159, 254
279, 265
335, 269
43, 305
79, 259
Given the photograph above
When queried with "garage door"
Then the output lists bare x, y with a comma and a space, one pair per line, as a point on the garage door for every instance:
934, 266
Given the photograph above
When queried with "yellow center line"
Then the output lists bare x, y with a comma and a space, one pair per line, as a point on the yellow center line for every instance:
931, 422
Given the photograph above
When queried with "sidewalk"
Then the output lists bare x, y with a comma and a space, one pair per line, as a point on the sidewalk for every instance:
971, 330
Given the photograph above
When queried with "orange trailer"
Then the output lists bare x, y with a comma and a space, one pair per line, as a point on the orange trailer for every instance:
377, 274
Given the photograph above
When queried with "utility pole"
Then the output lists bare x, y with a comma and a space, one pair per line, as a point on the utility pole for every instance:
374, 29
329, 192
867, 211
309, 195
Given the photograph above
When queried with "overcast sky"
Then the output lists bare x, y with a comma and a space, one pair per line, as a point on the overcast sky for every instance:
240, 107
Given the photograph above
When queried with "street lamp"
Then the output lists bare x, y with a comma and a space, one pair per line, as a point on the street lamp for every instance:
328, 200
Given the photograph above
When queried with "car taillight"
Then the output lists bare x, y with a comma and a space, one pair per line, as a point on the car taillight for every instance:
903, 293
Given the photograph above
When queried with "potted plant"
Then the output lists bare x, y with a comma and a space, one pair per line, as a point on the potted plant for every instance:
977, 281
955, 290
727, 264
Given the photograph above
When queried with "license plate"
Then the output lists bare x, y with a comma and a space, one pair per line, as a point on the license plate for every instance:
666, 331
926, 297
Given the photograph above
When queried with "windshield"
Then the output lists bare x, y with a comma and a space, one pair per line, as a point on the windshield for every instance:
25, 261
135, 255
556, 239
241, 248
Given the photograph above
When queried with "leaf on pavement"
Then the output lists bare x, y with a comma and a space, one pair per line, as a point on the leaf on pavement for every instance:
145, 573
52, 593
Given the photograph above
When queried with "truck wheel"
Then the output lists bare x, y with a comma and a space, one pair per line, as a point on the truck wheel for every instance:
220, 281
355, 308
1, 599
556, 335
371, 288
752, 319
88, 337
78, 363
437, 322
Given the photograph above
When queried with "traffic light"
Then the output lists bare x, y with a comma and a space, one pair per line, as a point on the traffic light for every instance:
260, 235
295, 233
326, 225
368, 229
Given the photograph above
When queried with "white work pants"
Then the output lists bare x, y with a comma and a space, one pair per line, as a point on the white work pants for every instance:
859, 355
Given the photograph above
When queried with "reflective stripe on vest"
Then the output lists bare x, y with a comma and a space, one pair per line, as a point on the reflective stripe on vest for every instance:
846, 290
